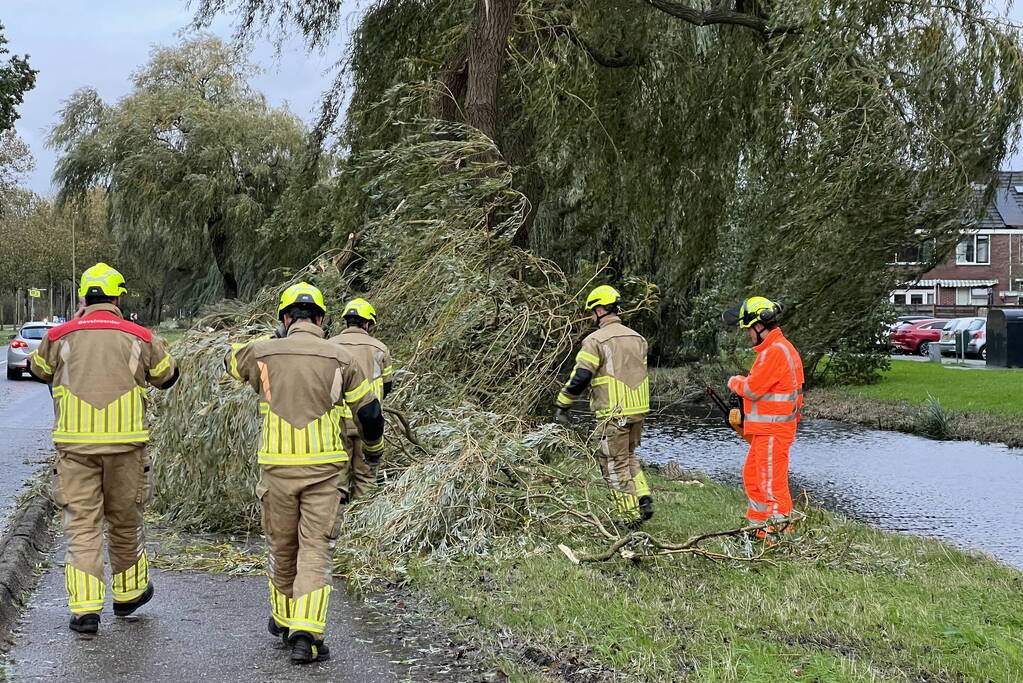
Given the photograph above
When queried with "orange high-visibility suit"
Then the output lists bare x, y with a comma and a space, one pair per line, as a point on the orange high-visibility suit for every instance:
772, 396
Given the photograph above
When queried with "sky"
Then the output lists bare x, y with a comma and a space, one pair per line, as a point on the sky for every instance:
100, 43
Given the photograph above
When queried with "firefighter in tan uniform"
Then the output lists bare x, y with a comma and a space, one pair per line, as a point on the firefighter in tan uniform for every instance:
374, 358
306, 386
612, 362
99, 365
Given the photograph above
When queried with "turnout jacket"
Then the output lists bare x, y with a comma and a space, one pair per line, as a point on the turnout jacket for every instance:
373, 358
612, 362
306, 386
772, 393
99, 365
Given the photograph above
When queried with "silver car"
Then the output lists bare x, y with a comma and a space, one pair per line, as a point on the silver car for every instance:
977, 345
23, 343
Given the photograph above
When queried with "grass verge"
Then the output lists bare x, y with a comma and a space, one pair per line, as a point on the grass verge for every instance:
975, 404
843, 602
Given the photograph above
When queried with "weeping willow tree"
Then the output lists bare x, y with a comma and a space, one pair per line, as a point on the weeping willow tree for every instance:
194, 162
720, 148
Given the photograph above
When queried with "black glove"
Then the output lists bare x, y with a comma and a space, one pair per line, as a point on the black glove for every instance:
281, 332
734, 400
561, 415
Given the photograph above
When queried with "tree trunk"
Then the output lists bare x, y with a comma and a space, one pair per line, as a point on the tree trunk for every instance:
218, 245
487, 47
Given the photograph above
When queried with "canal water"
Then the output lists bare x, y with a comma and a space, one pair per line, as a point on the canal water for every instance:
962, 492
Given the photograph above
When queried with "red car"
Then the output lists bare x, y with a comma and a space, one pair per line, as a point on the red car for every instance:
917, 336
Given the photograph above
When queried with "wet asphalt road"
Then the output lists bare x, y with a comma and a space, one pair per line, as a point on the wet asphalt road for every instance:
199, 627
26, 416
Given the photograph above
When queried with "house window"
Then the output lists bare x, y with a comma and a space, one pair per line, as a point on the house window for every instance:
899, 299
916, 299
971, 296
913, 254
974, 250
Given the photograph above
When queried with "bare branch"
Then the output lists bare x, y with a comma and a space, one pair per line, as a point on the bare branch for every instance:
720, 15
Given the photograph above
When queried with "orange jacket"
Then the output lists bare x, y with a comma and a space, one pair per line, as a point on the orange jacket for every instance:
772, 393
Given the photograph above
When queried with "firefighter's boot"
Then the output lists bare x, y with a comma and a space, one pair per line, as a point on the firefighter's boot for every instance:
646, 507
305, 649
85, 623
277, 631
123, 609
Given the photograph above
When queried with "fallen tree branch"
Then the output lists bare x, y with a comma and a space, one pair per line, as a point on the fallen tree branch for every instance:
406, 427
623, 545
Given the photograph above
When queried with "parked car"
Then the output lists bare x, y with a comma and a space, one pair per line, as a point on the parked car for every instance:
23, 343
917, 337
977, 346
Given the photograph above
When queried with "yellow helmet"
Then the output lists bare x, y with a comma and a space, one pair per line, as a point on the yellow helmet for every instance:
361, 308
302, 293
605, 295
758, 309
101, 280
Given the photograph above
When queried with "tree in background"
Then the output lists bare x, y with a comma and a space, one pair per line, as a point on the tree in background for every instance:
16, 78
721, 149
194, 162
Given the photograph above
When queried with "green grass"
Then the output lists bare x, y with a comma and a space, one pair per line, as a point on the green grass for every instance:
997, 392
844, 603
172, 337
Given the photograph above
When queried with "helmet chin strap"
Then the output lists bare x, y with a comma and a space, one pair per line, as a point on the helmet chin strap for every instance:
761, 330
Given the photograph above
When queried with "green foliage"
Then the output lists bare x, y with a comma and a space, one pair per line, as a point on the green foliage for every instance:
16, 78
194, 162
471, 320
934, 421
720, 163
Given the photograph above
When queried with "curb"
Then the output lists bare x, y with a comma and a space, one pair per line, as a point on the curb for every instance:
21, 548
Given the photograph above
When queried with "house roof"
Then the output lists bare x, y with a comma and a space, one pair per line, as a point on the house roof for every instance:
1005, 211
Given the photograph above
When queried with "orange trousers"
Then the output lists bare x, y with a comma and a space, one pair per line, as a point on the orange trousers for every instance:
766, 477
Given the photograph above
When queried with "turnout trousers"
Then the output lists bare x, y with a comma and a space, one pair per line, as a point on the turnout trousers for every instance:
766, 477
362, 471
620, 436
300, 513
91, 490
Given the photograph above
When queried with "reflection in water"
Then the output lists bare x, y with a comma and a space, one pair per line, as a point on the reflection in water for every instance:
962, 492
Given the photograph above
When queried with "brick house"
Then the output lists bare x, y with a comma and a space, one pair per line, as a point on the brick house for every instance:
986, 269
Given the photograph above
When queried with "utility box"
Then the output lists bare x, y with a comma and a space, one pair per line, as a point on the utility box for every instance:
1005, 338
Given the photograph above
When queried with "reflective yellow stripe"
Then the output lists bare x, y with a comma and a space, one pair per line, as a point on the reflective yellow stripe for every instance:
322, 440
600, 381
378, 389
281, 606
374, 448
310, 611
132, 582
388, 371
161, 367
86, 593
233, 368
587, 357
625, 400
122, 421
564, 400
43, 365
358, 392
303, 459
